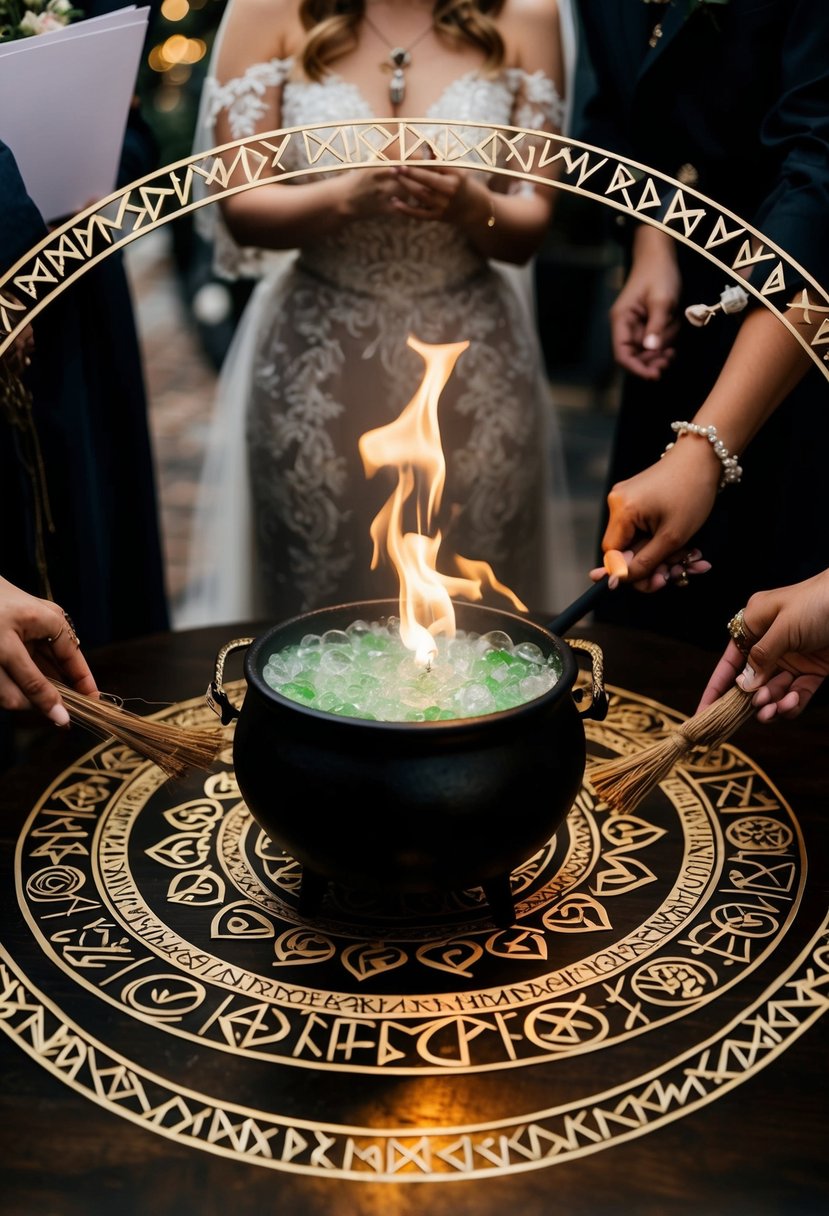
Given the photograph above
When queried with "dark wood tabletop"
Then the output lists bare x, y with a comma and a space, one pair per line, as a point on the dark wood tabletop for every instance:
722, 1111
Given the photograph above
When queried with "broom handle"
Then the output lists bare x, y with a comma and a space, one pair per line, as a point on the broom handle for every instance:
579, 607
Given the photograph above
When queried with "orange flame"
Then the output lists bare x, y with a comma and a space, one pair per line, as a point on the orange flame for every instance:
412, 444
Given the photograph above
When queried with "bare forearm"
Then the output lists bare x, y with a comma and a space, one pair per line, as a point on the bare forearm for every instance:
509, 227
286, 216
764, 365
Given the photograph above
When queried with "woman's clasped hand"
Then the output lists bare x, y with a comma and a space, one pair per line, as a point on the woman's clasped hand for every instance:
420, 190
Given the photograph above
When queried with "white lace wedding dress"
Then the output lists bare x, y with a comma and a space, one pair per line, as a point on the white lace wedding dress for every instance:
320, 357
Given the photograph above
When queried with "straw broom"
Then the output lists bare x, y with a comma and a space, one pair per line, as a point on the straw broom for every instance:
623, 783
175, 749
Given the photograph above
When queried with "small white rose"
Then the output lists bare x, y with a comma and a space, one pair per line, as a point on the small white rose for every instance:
733, 299
698, 314
29, 24
47, 22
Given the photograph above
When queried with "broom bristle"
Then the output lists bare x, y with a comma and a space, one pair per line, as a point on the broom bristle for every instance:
175, 749
623, 783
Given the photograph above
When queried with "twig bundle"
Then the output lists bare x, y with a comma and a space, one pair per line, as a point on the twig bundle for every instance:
175, 749
623, 783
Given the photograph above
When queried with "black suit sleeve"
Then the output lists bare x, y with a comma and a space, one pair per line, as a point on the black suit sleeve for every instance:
21, 224
795, 213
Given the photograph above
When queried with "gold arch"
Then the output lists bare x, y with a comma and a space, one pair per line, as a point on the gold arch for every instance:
627, 186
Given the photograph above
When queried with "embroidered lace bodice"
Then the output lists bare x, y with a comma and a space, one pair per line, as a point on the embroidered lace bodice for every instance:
513, 96
384, 255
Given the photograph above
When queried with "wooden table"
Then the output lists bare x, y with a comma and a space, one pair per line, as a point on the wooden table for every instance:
714, 1106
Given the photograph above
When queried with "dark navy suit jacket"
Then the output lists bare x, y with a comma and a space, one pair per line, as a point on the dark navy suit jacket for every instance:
21, 224
739, 91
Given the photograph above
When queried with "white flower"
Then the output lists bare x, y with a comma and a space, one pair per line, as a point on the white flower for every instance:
26, 18
30, 23
46, 22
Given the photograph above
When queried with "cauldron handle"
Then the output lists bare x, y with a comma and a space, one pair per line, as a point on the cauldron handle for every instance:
216, 697
597, 709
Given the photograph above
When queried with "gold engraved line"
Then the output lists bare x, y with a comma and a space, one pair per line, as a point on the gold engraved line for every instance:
159, 1115
138, 962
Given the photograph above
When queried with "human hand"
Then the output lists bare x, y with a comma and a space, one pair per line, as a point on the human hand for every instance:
786, 636
655, 514
19, 355
430, 192
678, 568
370, 192
643, 322
28, 658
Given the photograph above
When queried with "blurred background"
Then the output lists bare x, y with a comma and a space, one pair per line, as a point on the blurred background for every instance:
187, 316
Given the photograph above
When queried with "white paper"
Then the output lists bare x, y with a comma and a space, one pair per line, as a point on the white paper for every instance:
31, 44
64, 102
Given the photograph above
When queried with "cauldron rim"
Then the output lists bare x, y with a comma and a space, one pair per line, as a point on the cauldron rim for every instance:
387, 607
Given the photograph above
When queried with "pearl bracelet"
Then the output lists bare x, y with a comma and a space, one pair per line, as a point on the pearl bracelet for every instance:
731, 471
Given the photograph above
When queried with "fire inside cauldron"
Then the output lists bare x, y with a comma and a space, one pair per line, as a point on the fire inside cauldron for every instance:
411, 807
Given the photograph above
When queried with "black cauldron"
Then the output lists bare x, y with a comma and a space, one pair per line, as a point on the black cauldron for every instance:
408, 807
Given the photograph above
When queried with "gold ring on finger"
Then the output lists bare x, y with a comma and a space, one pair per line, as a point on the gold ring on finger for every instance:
71, 628
740, 634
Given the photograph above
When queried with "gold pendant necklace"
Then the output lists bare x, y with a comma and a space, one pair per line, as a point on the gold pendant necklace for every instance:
399, 59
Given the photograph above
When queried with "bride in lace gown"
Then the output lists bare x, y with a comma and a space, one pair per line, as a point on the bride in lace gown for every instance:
376, 255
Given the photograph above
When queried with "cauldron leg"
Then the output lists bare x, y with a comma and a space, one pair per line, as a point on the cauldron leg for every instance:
311, 892
499, 897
